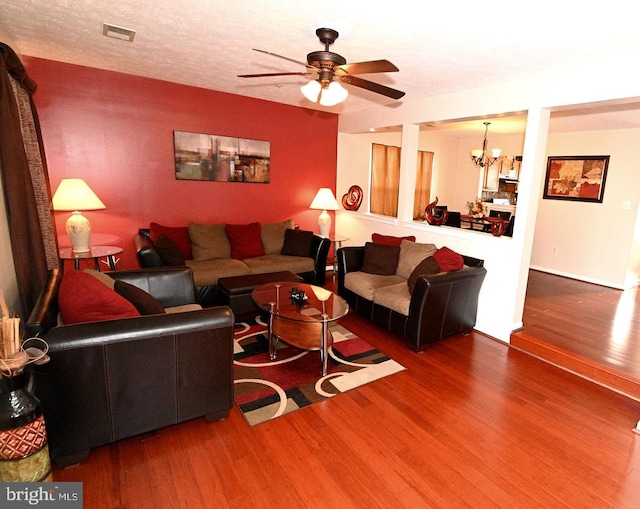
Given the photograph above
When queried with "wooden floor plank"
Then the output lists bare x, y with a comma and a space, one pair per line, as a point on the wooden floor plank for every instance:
471, 422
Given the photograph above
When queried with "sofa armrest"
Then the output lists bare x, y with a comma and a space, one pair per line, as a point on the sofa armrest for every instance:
44, 315
172, 286
145, 251
350, 259
443, 304
319, 251
82, 335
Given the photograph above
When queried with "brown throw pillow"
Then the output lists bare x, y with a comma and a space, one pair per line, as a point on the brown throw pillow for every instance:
168, 251
145, 303
426, 266
179, 234
380, 259
297, 243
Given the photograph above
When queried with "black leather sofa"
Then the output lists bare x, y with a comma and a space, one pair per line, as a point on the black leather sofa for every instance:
115, 379
441, 304
210, 295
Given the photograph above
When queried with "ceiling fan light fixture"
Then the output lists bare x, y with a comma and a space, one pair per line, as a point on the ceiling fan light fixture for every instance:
312, 91
333, 94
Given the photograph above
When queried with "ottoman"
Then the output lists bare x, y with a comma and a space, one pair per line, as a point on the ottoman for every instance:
236, 291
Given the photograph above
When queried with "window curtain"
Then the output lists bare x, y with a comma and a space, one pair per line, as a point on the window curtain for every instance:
422, 195
25, 181
385, 179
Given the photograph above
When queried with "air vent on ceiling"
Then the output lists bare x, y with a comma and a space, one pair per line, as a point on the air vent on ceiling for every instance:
124, 34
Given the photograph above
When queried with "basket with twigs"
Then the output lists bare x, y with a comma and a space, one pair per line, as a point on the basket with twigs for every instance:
13, 354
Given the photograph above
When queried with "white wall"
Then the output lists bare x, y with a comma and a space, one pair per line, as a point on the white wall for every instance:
507, 260
594, 242
455, 182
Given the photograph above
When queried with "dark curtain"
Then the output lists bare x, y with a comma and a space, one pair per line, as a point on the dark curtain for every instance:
25, 181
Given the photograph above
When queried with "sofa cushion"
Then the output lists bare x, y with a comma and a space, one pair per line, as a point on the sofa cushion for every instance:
411, 254
395, 297
365, 284
102, 277
448, 259
209, 241
378, 238
279, 263
297, 242
145, 303
245, 240
207, 272
273, 235
183, 309
83, 298
381, 259
179, 235
426, 266
169, 252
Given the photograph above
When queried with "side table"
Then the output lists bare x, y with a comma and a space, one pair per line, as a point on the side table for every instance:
97, 252
337, 241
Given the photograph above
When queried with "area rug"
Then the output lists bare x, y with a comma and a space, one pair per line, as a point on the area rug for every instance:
266, 389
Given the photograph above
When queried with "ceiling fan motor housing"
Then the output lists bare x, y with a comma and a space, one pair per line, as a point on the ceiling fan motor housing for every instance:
325, 61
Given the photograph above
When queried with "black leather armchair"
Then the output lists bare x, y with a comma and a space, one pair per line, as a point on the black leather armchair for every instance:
441, 304
115, 379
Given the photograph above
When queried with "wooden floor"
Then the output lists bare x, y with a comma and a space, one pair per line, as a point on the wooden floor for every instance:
590, 329
472, 422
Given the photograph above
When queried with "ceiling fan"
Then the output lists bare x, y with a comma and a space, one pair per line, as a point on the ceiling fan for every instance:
332, 68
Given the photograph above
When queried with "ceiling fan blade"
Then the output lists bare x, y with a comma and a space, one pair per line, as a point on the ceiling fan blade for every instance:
273, 74
280, 56
373, 87
368, 67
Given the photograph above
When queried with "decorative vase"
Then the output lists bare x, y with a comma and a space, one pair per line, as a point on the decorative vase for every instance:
24, 451
433, 219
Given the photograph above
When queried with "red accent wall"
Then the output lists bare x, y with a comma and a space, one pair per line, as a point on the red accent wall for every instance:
116, 131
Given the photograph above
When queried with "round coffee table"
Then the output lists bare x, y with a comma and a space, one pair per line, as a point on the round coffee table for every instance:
302, 324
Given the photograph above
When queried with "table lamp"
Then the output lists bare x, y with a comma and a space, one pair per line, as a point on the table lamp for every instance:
75, 195
324, 201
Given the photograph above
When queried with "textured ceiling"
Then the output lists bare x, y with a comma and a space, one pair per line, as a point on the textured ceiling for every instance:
439, 48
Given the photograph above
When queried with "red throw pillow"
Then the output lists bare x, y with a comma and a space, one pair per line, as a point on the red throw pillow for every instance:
245, 240
448, 259
390, 240
83, 298
179, 235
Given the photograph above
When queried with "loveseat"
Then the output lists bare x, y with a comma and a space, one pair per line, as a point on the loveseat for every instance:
127, 372
214, 251
416, 291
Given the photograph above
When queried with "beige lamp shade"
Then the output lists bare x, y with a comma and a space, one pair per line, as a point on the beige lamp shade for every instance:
324, 200
75, 195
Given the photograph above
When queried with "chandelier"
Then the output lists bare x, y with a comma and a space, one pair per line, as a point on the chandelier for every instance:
480, 156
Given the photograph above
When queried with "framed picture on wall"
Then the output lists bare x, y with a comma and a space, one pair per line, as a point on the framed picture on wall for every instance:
577, 178
221, 158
